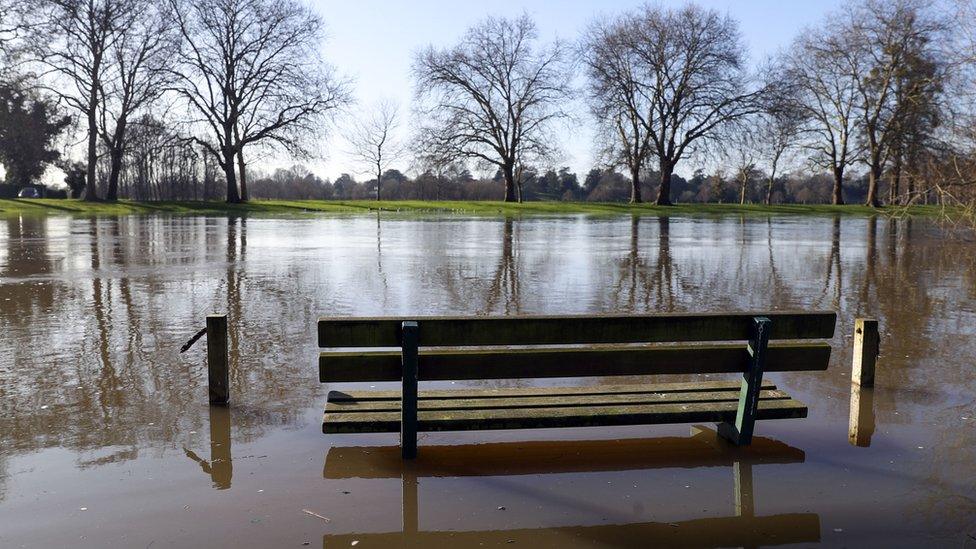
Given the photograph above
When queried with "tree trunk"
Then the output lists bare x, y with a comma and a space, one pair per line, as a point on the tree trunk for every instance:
742, 189
772, 179
91, 191
379, 182
242, 175
664, 192
240, 164
837, 198
508, 173
228, 166
874, 177
635, 185
113, 175
895, 190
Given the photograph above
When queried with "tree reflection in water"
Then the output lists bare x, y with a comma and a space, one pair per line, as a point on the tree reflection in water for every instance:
95, 310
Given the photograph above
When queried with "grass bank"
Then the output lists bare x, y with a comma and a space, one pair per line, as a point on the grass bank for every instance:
22, 206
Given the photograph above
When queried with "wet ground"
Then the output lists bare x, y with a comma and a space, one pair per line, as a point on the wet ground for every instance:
106, 438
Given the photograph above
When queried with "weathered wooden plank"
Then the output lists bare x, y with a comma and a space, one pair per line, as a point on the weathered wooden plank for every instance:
568, 329
509, 392
790, 528
703, 449
348, 406
542, 418
595, 360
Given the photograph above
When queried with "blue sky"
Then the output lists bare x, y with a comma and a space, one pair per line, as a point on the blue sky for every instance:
373, 42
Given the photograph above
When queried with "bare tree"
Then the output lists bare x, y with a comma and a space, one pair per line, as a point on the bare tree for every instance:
73, 40
825, 80
882, 38
493, 97
251, 72
688, 70
617, 97
139, 62
779, 127
743, 150
374, 141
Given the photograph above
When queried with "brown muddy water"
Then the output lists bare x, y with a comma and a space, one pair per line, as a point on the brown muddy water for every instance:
106, 438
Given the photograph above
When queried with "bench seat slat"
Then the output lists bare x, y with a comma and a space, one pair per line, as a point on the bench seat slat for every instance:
567, 329
575, 361
508, 392
559, 416
446, 404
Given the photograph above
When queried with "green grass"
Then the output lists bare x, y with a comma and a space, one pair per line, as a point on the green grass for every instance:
276, 207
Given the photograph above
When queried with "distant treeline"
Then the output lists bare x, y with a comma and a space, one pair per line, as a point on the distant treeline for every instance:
298, 183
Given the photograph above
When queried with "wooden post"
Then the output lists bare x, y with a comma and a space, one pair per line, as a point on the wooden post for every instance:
867, 345
217, 364
408, 397
740, 433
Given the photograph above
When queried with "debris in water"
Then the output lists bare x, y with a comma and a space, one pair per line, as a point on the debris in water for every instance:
314, 514
44, 407
82, 508
838, 529
355, 542
501, 507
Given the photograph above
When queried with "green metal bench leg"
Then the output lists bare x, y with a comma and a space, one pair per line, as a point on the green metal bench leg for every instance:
740, 432
408, 403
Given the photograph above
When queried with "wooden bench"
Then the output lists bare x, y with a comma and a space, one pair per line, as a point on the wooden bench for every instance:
481, 348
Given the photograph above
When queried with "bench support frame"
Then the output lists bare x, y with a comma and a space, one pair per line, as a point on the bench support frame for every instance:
410, 344
740, 432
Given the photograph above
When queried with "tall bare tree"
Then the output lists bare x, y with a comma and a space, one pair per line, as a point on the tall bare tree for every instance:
139, 68
374, 140
780, 125
883, 36
73, 41
251, 72
682, 80
617, 97
826, 83
493, 97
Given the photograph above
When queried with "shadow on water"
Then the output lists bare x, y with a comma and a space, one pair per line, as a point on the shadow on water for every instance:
703, 448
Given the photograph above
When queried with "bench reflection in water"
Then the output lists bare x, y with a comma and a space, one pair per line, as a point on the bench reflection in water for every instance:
702, 449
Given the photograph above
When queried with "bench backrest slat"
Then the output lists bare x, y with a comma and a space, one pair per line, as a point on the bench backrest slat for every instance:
510, 363
573, 329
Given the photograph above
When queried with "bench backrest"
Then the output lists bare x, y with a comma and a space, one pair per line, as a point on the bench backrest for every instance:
460, 348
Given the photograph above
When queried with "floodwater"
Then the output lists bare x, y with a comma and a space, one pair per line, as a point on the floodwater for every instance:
107, 440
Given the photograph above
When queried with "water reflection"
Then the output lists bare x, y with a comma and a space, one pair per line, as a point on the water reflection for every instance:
93, 313
220, 467
861, 425
702, 449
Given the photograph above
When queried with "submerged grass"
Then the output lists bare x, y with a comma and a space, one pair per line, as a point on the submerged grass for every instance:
42, 206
